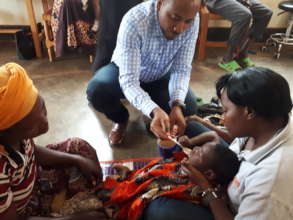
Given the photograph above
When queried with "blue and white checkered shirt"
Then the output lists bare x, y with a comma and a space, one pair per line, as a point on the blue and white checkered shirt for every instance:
143, 54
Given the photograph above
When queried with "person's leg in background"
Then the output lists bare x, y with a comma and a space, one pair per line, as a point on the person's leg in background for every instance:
261, 17
110, 16
240, 16
164, 208
104, 94
96, 5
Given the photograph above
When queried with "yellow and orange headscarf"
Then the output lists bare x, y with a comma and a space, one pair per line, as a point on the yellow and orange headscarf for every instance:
17, 95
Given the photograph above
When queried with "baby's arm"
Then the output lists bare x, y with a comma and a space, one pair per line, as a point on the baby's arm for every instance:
224, 134
199, 140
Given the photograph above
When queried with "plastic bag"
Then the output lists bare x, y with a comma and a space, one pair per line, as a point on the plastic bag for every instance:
25, 49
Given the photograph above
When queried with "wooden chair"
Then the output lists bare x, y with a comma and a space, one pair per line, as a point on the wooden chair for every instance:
9, 31
46, 20
203, 43
49, 39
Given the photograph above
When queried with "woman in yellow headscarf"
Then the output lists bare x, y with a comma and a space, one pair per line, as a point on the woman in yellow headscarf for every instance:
28, 186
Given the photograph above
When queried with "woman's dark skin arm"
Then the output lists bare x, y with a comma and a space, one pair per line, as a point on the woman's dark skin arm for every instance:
47, 157
199, 140
220, 210
221, 132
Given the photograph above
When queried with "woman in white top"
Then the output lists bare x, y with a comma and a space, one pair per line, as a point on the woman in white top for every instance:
257, 106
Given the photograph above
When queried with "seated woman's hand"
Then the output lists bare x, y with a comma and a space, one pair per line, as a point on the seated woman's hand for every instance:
90, 169
122, 171
195, 175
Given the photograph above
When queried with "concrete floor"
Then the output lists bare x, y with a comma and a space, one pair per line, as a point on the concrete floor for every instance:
63, 84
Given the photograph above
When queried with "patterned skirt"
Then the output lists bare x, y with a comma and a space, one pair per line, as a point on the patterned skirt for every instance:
72, 22
53, 186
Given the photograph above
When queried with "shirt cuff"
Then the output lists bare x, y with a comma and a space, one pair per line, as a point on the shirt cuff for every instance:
177, 96
148, 108
171, 102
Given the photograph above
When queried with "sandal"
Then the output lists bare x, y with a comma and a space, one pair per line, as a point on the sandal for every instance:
199, 101
246, 62
230, 66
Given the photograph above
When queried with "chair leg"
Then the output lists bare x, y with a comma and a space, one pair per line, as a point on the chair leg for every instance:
278, 53
51, 54
204, 20
91, 59
289, 28
48, 42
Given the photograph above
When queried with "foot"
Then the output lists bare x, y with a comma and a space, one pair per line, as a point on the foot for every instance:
117, 133
230, 66
246, 62
199, 101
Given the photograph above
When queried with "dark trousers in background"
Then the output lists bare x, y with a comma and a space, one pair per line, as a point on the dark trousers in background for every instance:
111, 14
241, 16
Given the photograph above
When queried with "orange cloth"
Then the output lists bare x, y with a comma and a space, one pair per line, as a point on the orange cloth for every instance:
17, 95
133, 194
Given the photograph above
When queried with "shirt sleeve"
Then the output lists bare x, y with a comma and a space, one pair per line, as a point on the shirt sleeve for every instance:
6, 195
182, 65
128, 59
255, 199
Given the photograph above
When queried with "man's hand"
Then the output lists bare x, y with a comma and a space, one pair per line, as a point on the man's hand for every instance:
177, 118
160, 124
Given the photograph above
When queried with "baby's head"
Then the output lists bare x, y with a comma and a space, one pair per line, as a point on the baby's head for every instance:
218, 163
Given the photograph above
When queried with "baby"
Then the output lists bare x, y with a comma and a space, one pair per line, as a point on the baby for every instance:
126, 195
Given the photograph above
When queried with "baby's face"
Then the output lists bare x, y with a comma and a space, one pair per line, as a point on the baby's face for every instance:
202, 157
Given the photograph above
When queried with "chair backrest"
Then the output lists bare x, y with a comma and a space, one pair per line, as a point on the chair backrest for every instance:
205, 11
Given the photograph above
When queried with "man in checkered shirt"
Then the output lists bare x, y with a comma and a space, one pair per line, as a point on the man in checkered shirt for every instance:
150, 67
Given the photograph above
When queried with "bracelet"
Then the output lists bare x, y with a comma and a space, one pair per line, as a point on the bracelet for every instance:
209, 195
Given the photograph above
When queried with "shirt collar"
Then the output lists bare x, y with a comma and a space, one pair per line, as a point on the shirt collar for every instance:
274, 143
14, 157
